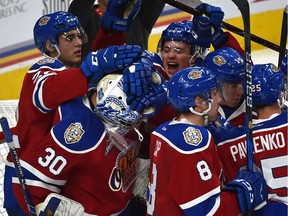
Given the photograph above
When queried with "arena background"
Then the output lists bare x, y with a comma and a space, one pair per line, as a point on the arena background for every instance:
17, 18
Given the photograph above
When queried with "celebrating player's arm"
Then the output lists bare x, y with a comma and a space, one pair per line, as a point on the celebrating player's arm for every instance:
213, 17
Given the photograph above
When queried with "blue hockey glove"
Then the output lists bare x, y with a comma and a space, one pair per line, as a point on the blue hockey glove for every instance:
251, 189
149, 104
202, 31
105, 61
120, 14
215, 14
218, 37
137, 77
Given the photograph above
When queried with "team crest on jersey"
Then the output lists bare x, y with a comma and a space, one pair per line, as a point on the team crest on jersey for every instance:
44, 20
195, 74
192, 136
73, 133
219, 60
45, 61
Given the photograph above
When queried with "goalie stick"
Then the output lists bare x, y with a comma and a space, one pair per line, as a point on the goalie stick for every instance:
188, 6
18, 168
283, 39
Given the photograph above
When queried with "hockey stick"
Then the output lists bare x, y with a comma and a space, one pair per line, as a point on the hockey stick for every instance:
244, 8
18, 168
187, 6
283, 39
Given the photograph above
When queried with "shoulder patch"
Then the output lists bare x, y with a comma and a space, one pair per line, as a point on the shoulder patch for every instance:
46, 60
192, 136
73, 133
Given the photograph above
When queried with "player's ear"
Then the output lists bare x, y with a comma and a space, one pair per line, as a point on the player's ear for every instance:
49, 46
199, 103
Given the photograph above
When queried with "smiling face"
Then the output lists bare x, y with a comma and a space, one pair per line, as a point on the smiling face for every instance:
176, 55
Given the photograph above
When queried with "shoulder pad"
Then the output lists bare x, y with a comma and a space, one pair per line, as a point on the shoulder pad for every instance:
79, 131
52, 63
186, 138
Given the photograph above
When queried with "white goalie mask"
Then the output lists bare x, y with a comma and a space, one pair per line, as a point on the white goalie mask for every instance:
112, 107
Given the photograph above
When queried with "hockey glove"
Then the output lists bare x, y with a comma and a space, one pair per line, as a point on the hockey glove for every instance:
251, 189
120, 14
150, 103
215, 14
105, 61
137, 77
202, 31
56, 204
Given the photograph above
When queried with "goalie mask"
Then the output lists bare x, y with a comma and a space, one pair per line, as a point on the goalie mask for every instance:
50, 26
111, 104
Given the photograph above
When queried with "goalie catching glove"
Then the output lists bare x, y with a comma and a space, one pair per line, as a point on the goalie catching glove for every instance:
120, 14
251, 189
58, 205
106, 61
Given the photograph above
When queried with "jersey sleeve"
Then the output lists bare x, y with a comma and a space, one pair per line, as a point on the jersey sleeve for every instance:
232, 42
54, 86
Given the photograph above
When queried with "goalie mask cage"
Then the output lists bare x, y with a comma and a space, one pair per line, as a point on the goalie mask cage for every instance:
7, 109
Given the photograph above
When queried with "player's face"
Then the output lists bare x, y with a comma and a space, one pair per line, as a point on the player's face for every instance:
70, 48
176, 56
232, 94
213, 113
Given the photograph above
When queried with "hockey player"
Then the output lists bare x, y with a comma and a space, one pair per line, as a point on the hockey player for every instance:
269, 139
58, 78
229, 67
185, 167
186, 43
88, 160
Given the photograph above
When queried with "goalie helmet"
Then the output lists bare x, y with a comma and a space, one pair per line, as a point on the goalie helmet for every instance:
267, 84
227, 64
50, 26
111, 104
188, 83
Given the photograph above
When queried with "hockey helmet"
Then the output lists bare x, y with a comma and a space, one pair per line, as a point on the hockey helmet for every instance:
50, 26
267, 84
227, 64
188, 83
178, 31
